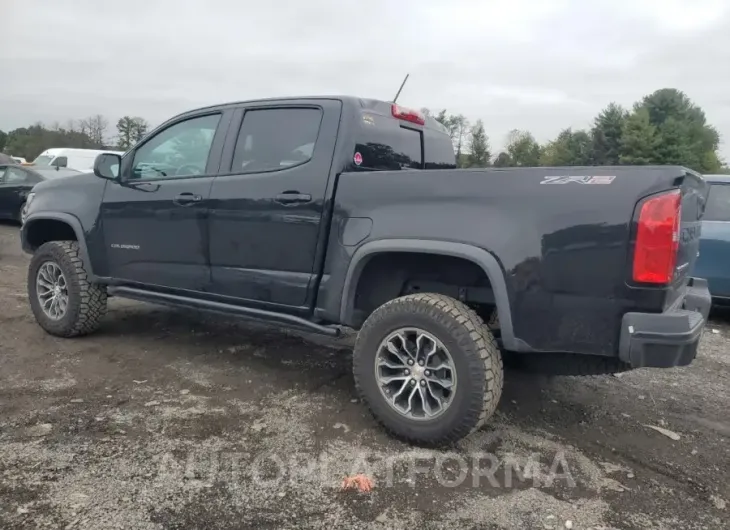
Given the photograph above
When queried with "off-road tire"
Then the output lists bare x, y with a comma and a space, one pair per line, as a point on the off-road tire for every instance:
86, 301
477, 362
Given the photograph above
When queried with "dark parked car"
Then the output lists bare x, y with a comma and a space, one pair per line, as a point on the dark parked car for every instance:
713, 263
337, 211
16, 181
7, 159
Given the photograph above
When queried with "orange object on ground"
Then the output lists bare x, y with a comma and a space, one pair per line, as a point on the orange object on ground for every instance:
359, 482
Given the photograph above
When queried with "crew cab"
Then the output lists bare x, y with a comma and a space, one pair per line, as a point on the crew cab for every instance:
324, 212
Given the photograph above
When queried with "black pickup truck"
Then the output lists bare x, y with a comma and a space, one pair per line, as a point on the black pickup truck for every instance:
323, 212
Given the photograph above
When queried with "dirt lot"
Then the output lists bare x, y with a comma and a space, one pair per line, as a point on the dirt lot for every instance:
170, 419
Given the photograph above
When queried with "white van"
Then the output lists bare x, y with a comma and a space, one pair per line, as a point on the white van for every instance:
79, 159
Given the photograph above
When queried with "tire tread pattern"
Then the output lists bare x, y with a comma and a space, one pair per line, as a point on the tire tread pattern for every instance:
473, 337
92, 298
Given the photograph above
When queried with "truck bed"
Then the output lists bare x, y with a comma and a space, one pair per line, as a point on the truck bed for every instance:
561, 235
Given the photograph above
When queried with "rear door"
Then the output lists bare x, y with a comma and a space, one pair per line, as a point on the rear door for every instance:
266, 211
713, 263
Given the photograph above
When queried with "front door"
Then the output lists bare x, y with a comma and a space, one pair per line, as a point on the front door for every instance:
155, 218
266, 212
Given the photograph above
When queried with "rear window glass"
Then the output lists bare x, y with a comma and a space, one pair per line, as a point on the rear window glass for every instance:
439, 150
718, 203
386, 145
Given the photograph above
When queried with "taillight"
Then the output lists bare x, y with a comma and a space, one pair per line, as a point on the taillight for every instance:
410, 115
657, 238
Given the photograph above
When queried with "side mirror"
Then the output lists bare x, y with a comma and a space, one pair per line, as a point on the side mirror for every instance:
107, 166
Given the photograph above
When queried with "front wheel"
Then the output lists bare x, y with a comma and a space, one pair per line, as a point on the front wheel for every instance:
428, 368
22, 212
61, 297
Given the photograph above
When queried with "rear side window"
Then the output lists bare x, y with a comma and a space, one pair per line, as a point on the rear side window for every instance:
276, 139
718, 203
16, 176
385, 144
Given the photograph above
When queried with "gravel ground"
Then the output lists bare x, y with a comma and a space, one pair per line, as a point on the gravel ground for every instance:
168, 419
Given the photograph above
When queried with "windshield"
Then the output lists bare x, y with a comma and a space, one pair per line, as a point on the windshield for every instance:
43, 160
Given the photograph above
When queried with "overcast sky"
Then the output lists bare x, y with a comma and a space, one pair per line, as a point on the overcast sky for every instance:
540, 65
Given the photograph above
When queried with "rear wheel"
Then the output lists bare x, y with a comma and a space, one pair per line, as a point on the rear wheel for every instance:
61, 297
428, 368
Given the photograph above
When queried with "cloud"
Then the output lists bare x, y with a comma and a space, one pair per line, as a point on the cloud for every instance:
541, 66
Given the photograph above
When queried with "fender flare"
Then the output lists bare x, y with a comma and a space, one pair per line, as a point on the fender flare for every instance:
479, 256
70, 220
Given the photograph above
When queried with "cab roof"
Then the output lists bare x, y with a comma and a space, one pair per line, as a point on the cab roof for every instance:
368, 104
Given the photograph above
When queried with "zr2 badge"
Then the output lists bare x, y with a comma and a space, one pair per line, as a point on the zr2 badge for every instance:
579, 179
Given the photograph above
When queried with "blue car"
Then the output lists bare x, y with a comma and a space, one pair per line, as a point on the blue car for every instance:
713, 262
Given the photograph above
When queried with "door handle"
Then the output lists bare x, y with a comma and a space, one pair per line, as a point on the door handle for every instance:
293, 197
187, 199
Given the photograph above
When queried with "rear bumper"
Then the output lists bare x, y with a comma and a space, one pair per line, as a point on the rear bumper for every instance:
663, 340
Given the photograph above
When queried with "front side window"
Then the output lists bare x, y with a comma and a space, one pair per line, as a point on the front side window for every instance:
60, 161
179, 151
275, 139
718, 203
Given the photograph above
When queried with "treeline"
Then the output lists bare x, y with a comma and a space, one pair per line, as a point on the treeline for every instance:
665, 127
87, 133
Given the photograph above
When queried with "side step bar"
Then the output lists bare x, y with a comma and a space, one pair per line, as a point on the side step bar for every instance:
219, 307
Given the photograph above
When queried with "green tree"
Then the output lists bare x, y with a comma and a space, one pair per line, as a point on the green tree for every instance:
639, 139
683, 134
568, 149
457, 127
29, 142
130, 130
503, 160
606, 135
523, 149
461, 128
141, 126
447, 121
125, 132
479, 153
3, 140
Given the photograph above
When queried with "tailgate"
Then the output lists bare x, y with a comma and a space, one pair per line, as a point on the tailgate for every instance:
694, 195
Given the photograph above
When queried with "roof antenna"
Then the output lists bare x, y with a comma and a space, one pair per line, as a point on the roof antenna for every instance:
401, 88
